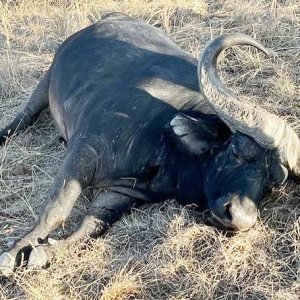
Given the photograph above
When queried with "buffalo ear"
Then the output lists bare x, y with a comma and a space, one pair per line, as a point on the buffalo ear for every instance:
196, 136
279, 174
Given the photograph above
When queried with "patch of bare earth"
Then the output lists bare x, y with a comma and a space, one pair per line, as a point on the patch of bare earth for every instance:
160, 251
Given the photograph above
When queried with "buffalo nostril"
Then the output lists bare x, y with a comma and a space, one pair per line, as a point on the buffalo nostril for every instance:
228, 213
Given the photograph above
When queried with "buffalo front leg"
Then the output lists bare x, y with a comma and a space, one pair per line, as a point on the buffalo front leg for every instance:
105, 210
38, 101
67, 186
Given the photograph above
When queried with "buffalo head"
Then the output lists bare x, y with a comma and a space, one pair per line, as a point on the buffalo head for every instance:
261, 150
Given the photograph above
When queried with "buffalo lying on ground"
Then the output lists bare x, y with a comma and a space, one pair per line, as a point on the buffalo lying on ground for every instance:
144, 121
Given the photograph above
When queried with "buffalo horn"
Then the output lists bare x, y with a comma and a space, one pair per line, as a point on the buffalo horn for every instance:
265, 128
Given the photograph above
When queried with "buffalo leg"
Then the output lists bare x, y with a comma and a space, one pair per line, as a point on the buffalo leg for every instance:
38, 101
72, 177
105, 210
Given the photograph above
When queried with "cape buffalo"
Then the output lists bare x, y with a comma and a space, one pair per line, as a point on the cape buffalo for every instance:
145, 121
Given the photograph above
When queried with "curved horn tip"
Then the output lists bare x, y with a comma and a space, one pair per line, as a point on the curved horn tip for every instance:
226, 105
225, 41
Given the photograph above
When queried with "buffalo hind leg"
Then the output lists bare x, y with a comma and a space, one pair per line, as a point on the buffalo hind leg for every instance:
72, 177
38, 101
104, 210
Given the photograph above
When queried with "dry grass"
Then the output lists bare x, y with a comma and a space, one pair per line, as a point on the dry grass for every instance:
161, 251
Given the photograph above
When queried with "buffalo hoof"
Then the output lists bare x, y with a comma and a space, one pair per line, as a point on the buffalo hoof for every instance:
7, 264
39, 257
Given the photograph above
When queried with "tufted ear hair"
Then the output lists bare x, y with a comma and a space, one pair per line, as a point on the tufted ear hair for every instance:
197, 136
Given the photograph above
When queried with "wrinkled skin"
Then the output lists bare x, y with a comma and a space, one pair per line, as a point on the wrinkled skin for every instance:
126, 100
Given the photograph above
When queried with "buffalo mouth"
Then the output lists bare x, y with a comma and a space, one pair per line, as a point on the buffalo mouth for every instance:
225, 224
235, 214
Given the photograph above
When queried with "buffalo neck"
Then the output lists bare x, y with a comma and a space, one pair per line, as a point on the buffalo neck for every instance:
185, 176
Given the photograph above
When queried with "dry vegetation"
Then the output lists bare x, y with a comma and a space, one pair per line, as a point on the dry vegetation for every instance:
160, 251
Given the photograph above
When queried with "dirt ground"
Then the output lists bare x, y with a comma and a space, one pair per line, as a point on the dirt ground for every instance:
159, 251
